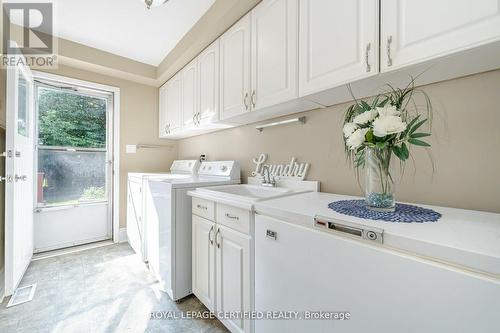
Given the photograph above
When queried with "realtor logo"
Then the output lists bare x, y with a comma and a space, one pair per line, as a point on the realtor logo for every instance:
28, 32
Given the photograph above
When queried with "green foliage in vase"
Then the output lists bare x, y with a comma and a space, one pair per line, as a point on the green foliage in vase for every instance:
392, 121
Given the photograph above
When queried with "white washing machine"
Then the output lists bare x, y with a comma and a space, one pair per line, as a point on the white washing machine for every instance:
168, 218
136, 183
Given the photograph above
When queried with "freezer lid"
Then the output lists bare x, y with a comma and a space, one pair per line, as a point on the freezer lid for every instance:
466, 238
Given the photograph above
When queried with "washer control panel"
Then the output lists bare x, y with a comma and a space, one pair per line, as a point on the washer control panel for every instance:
220, 168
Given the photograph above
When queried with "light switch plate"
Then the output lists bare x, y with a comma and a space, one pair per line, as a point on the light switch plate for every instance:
131, 149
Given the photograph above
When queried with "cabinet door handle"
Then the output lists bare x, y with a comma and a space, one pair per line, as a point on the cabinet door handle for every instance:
202, 207
217, 238
210, 235
253, 98
367, 57
232, 217
245, 101
389, 58
199, 118
194, 119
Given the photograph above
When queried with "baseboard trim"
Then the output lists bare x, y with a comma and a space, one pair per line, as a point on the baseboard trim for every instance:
122, 235
2, 284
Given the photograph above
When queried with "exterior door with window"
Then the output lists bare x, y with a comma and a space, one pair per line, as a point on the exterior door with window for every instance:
73, 203
19, 198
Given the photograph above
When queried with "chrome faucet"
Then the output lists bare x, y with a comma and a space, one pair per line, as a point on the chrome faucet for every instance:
269, 182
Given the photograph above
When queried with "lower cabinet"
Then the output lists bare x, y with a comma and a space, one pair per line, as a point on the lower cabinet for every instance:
221, 271
203, 261
233, 277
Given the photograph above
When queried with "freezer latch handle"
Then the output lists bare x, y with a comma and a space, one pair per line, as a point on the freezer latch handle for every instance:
348, 228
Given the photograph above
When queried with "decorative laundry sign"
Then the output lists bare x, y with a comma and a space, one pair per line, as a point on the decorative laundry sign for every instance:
292, 170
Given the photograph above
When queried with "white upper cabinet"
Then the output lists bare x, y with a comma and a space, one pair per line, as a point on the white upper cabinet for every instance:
208, 84
338, 43
173, 111
414, 31
274, 61
189, 94
162, 104
235, 69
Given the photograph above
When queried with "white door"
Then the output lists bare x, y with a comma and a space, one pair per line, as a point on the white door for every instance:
20, 173
74, 153
174, 104
414, 31
235, 69
189, 94
274, 53
162, 108
338, 42
208, 78
203, 261
233, 276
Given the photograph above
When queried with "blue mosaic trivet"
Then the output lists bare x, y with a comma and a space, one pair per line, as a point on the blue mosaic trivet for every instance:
404, 213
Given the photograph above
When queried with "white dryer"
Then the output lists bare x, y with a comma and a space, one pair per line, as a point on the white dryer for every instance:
136, 183
168, 216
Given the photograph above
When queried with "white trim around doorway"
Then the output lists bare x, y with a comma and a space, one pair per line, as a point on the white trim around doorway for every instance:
116, 137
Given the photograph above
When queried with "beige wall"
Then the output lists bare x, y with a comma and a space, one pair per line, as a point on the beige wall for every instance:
465, 148
138, 124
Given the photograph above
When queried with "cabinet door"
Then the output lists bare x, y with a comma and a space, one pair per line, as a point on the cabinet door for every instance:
203, 261
189, 94
208, 74
413, 31
233, 276
235, 69
162, 111
338, 43
174, 103
274, 53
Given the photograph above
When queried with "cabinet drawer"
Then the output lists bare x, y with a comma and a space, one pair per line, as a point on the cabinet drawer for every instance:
204, 208
235, 218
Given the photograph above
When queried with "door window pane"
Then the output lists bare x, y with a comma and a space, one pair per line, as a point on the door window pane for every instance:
22, 106
69, 119
66, 177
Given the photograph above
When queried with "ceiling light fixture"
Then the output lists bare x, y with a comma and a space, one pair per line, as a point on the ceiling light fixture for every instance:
154, 3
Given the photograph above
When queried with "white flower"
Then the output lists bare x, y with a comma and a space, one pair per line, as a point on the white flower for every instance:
357, 138
365, 117
349, 128
388, 110
383, 126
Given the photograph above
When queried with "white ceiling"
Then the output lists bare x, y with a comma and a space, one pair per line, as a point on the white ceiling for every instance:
126, 27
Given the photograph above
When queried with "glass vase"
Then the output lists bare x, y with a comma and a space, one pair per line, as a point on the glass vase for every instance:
379, 184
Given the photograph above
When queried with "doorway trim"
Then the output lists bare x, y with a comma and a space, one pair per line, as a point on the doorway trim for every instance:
116, 138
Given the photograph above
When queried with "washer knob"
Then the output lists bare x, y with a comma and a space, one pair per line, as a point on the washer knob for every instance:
223, 168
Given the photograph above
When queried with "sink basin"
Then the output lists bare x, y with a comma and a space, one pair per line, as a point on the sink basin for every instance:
252, 192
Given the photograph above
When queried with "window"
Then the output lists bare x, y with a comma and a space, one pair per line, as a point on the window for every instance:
72, 147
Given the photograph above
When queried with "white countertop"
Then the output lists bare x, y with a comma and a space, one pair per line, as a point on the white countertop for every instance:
462, 237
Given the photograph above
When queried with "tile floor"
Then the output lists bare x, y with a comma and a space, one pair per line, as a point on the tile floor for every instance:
105, 289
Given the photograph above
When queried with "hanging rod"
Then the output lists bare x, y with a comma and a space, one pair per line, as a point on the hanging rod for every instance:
147, 146
132, 149
301, 120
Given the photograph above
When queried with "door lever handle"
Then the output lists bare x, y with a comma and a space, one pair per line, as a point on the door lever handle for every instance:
18, 178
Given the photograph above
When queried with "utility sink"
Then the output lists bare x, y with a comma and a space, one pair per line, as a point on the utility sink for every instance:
248, 192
